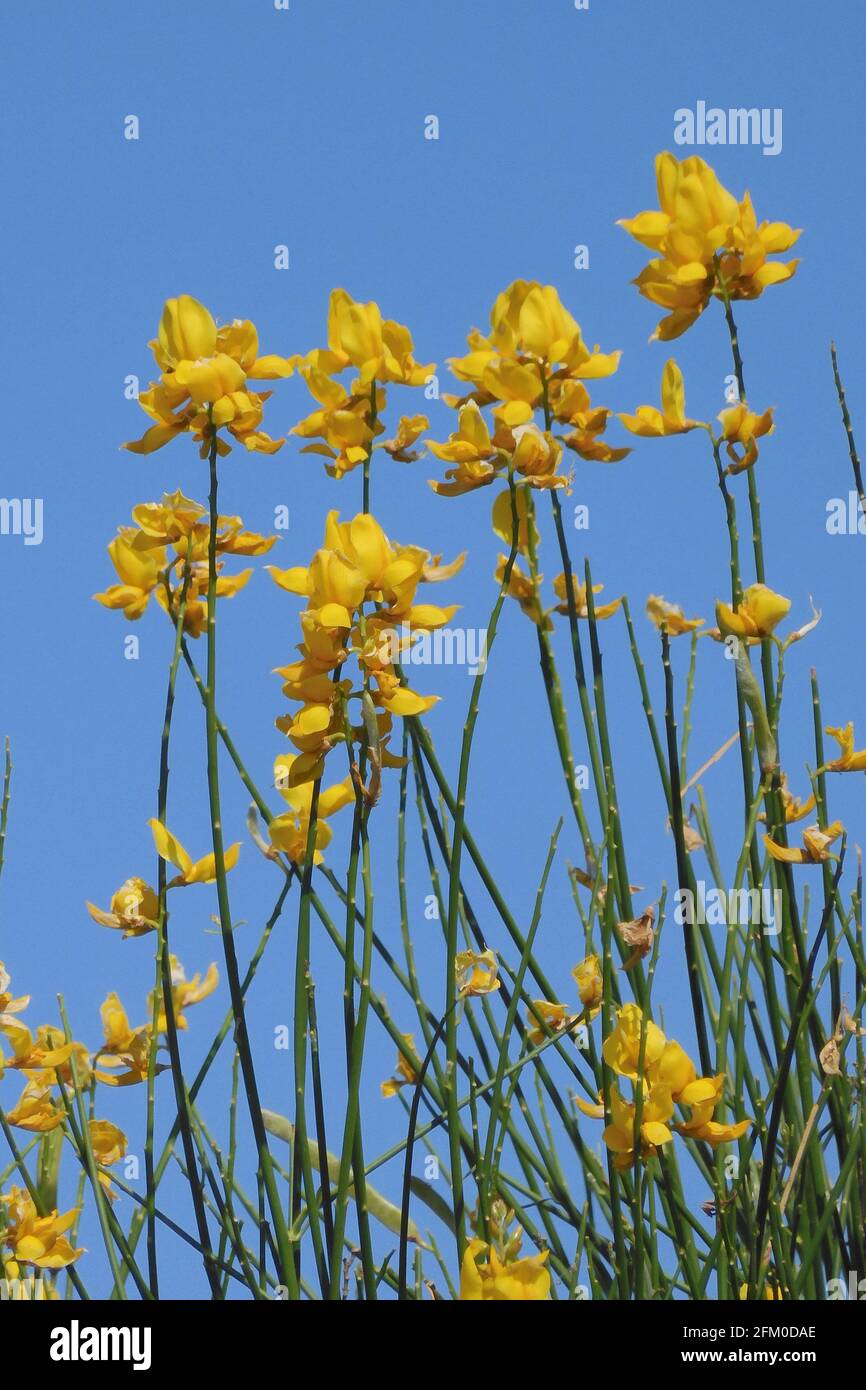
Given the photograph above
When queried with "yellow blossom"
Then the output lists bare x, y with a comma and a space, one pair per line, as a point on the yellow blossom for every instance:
795, 808
202, 871
43, 1057
8, 1005
501, 516
619, 1135
621, 1048
202, 388
138, 567
126, 1051
357, 566
671, 616
486, 1278
757, 615
134, 909
545, 1018
476, 973
288, 832
184, 993
589, 980
409, 430
536, 457
703, 1096
815, 848
471, 448
524, 588
741, 427
602, 610
849, 760
650, 422
36, 1110
358, 336
707, 244
570, 404
406, 1073
109, 1146
34, 1239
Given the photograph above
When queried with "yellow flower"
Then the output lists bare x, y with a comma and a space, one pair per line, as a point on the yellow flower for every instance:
669, 615
109, 1146
652, 423
406, 1073
344, 423
524, 588
555, 1018
621, 1048
589, 980
757, 615
707, 244
703, 1095
795, 808
8, 1005
141, 558
288, 832
476, 973
195, 614
138, 566
42, 1057
185, 993
124, 1047
530, 325
603, 610
134, 909
202, 388
486, 1278
536, 456
202, 871
741, 426
34, 1239
471, 448
619, 1135
357, 565
570, 404
502, 519
359, 337
770, 1293
409, 430
109, 1142
673, 1068
36, 1110
815, 846
848, 760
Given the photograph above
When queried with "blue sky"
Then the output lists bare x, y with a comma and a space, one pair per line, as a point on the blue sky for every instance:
305, 127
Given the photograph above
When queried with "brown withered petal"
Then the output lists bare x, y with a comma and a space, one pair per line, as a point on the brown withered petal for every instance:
639, 934
829, 1058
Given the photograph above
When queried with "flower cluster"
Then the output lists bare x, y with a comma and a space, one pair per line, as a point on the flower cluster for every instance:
360, 590
707, 244
348, 418
164, 554
534, 358
202, 387
496, 1272
668, 1078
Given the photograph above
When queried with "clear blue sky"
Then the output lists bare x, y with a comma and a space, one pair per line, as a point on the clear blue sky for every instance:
306, 127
